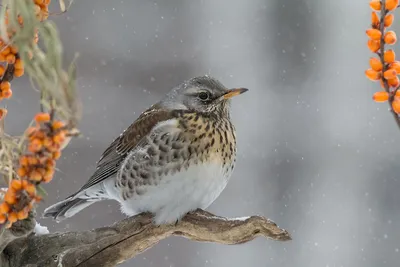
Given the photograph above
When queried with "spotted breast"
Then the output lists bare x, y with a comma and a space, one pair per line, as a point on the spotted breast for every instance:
184, 164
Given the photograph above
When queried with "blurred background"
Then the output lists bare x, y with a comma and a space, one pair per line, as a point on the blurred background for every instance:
316, 154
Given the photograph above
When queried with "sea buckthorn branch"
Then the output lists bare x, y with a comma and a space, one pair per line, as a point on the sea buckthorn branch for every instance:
385, 68
28, 161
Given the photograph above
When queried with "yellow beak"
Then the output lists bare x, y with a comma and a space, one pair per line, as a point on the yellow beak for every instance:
234, 92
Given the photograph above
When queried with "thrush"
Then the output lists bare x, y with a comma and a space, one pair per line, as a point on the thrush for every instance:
178, 156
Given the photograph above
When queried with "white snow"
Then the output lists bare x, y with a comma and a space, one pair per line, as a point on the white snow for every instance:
40, 230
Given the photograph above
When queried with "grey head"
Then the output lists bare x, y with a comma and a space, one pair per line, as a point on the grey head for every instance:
203, 94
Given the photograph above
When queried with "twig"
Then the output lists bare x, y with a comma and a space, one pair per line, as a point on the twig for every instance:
109, 246
385, 66
8, 74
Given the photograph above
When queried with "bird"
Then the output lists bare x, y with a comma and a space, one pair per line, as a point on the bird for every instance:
175, 158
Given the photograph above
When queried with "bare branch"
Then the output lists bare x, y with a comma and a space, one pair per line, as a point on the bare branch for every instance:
109, 246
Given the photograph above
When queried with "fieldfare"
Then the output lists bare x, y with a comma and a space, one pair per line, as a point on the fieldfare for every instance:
175, 158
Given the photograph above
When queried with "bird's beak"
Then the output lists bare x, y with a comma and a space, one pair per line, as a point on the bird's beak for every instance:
234, 92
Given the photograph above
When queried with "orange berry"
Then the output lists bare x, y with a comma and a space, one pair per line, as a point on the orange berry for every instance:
375, 5
59, 138
372, 74
12, 217
56, 155
50, 163
57, 125
18, 72
11, 190
390, 37
4, 208
21, 172
394, 82
10, 58
39, 134
5, 51
22, 214
374, 34
381, 96
398, 93
30, 189
42, 171
3, 218
32, 161
389, 56
374, 45
6, 93
2, 58
389, 20
16, 184
42, 117
5, 85
374, 19
19, 64
23, 160
375, 64
396, 105
35, 145
391, 4
48, 176
55, 147
395, 65
10, 197
2, 70
34, 175
47, 142
390, 74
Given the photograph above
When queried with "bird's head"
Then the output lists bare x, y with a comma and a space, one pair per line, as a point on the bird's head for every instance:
201, 94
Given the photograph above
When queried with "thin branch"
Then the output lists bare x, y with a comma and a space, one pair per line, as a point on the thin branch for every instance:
385, 66
9, 73
110, 246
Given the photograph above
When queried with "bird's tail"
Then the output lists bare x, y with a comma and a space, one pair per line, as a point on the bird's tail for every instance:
67, 208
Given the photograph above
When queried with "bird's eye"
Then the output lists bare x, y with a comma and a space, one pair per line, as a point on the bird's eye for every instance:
204, 95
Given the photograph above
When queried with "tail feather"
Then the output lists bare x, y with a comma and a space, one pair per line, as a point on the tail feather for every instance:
67, 208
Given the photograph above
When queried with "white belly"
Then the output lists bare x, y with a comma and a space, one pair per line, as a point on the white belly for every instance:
179, 193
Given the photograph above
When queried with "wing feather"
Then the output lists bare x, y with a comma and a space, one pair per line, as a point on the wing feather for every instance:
114, 155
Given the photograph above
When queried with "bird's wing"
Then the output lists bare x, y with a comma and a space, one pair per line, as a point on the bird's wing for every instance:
115, 154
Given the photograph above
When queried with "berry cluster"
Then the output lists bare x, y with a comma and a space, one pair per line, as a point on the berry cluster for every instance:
44, 141
9, 52
18, 201
36, 166
385, 68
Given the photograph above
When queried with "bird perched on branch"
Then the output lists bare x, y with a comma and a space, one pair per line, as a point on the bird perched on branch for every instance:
175, 158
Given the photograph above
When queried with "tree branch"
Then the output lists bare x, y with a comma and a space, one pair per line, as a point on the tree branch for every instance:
109, 246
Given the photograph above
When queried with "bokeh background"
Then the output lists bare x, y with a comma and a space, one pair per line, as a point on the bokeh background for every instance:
316, 154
